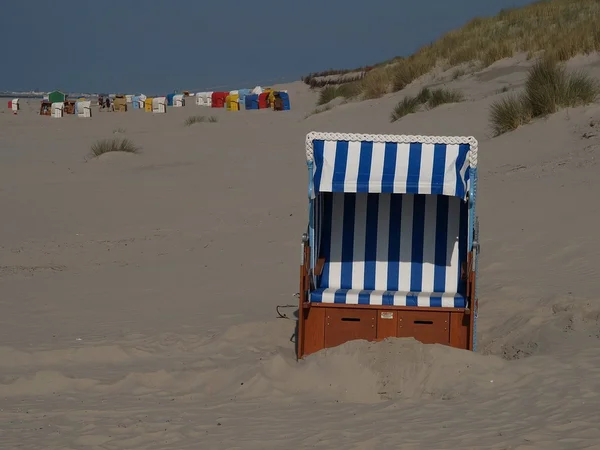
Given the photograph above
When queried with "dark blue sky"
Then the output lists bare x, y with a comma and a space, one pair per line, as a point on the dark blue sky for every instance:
161, 45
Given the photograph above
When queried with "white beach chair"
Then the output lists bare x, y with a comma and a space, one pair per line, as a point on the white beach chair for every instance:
159, 105
57, 109
84, 109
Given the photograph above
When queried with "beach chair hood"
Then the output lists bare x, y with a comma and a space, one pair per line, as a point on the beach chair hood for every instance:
390, 164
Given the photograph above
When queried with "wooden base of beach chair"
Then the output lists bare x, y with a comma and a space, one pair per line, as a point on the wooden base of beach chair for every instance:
326, 325
329, 325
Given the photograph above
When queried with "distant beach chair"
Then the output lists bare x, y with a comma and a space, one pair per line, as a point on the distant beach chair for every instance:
119, 103
170, 99
263, 100
159, 105
392, 241
148, 104
69, 107
251, 102
13, 105
243, 93
282, 101
219, 99
201, 99
232, 102
83, 109
178, 100
57, 109
45, 108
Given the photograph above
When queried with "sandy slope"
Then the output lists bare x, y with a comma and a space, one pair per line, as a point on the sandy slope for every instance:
139, 292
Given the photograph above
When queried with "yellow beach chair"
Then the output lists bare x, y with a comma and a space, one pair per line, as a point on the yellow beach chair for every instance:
233, 102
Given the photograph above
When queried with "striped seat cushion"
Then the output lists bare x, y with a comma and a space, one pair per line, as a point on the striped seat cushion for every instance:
387, 298
392, 249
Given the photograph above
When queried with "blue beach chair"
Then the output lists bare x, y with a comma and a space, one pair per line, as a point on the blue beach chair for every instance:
392, 240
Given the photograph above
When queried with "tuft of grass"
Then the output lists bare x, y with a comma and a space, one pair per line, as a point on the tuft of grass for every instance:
408, 105
441, 96
426, 96
346, 90
327, 94
545, 87
119, 130
582, 89
509, 113
375, 85
496, 52
191, 120
548, 88
113, 145
350, 90
407, 71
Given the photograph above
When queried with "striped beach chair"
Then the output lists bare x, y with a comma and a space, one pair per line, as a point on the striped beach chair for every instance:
392, 240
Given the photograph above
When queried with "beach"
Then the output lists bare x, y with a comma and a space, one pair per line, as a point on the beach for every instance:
139, 291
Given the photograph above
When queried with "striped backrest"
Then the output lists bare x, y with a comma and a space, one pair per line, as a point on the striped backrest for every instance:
393, 242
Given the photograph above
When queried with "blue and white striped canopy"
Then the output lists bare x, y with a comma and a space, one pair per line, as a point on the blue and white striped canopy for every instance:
391, 164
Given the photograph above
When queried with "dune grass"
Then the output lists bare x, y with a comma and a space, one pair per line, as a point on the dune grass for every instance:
327, 94
408, 105
120, 130
441, 96
113, 145
191, 120
375, 84
509, 113
424, 95
350, 90
560, 28
347, 90
405, 73
428, 97
548, 88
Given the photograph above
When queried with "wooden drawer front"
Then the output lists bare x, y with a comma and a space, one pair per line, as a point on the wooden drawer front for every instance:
429, 327
343, 325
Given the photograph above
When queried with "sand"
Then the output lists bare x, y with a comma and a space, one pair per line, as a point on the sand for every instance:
139, 291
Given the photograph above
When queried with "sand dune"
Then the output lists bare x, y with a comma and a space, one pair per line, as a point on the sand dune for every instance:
139, 291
